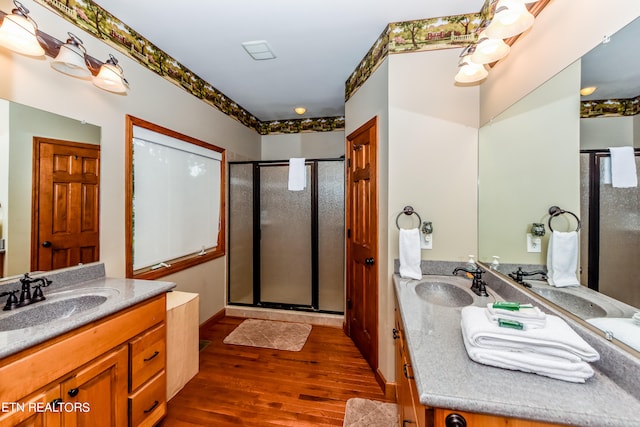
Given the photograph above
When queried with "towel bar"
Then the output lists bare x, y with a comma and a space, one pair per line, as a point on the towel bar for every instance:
408, 210
555, 211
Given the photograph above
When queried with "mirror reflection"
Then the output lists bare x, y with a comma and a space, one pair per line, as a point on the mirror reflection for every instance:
542, 152
49, 173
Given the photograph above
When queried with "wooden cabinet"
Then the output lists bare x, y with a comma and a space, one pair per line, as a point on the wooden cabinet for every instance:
411, 413
109, 373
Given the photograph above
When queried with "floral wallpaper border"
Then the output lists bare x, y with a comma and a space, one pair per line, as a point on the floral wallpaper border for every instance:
610, 108
92, 18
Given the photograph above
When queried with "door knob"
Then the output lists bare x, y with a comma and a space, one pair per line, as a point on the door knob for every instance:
46, 244
369, 261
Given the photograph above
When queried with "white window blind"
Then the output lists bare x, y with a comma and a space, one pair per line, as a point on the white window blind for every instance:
176, 198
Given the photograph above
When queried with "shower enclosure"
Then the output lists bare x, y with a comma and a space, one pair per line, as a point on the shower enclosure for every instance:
610, 244
286, 248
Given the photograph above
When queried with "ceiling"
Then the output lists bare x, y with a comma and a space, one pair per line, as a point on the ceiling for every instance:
317, 43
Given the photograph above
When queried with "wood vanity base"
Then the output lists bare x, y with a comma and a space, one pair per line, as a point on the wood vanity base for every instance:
98, 374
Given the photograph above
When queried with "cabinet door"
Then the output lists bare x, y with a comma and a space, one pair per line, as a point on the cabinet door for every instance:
96, 395
38, 410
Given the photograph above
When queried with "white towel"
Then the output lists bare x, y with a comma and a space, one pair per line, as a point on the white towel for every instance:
562, 259
529, 317
623, 167
297, 174
410, 254
556, 339
547, 366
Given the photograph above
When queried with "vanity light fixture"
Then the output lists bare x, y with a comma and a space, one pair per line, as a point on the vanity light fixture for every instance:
470, 72
510, 19
489, 50
586, 91
71, 58
300, 110
110, 77
18, 32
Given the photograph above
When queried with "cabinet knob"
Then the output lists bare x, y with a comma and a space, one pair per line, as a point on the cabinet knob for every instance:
455, 420
73, 392
369, 261
46, 244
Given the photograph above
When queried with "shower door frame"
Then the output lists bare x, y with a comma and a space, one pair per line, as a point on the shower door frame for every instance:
593, 206
315, 275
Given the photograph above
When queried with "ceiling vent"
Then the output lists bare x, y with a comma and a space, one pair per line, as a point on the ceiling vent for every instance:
259, 50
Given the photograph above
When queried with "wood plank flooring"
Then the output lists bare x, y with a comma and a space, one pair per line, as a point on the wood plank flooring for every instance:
248, 386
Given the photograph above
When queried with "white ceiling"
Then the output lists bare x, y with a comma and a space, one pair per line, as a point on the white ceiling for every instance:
318, 43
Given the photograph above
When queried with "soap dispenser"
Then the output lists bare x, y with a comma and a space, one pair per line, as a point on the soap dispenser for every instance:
471, 264
495, 264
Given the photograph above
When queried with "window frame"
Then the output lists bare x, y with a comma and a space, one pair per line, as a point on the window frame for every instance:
189, 260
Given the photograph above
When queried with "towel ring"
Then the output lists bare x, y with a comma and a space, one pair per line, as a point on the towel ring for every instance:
555, 211
408, 210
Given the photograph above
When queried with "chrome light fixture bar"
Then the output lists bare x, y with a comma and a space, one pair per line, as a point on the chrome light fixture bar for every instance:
20, 33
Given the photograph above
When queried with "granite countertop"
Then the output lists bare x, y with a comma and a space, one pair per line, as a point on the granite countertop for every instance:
447, 378
86, 284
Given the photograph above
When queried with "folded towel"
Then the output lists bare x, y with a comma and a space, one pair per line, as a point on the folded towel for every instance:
410, 254
562, 259
556, 339
623, 167
548, 366
297, 174
531, 318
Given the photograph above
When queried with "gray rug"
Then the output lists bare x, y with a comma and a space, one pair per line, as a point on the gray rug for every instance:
370, 413
270, 334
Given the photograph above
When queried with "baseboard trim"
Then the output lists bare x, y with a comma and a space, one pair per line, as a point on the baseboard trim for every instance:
389, 389
212, 320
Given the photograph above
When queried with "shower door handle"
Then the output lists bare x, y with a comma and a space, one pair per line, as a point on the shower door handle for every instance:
369, 261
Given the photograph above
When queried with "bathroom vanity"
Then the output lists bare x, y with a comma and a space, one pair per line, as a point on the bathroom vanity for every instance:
436, 380
103, 365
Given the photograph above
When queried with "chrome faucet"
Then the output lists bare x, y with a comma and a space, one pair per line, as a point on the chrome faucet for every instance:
478, 286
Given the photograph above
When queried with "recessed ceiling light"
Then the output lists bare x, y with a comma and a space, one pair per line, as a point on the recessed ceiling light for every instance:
300, 110
259, 50
586, 91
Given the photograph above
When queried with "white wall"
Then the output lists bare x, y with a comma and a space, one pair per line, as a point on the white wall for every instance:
372, 100
317, 145
604, 132
563, 32
33, 82
427, 158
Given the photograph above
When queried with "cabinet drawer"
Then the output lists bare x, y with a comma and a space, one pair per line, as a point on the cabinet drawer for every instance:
147, 354
148, 405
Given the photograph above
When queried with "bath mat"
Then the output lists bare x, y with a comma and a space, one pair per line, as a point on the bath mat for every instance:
370, 413
270, 334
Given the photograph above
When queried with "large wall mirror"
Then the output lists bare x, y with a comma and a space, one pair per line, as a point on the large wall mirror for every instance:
530, 160
31, 241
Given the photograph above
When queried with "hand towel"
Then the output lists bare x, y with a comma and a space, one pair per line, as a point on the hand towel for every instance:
548, 366
555, 339
297, 174
562, 259
623, 167
529, 317
410, 254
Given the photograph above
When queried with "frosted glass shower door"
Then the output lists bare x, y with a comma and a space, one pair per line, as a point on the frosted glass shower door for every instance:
285, 238
620, 242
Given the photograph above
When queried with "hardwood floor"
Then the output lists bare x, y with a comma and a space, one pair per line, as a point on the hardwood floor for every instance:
248, 386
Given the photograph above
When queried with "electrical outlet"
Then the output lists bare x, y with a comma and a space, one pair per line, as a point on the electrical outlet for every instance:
534, 243
426, 242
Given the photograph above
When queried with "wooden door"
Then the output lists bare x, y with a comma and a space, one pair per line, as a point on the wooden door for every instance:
97, 393
362, 241
65, 219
